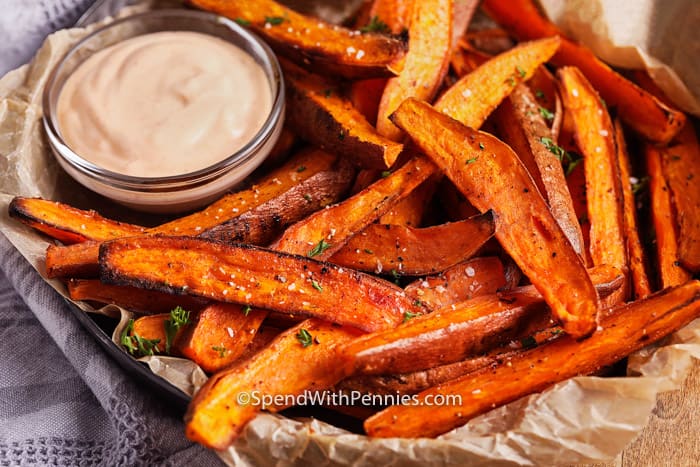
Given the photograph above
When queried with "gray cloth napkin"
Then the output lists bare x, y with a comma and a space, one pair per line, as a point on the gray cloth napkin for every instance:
63, 400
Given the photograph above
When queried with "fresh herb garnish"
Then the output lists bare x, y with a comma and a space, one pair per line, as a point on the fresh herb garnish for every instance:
408, 315
539, 94
520, 71
553, 148
546, 114
275, 20
396, 275
472, 160
316, 285
375, 25
179, 317
368, 251
573, 164
305, 338
386, 173
221, 349
307, 197
246, 310
322, 246
137, 345
301, 168
242, 21
528, 342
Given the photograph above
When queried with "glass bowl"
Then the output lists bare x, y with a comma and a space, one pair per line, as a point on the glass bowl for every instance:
176, 193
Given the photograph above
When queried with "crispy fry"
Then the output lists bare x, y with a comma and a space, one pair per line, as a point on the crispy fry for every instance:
630, 328
595, 137
466, 329
320, 114
132, 298
410, 210
477, 94
219, 335
637, 262
300, 167
430, 40
305, 356
490, 175
643, 112
312, 42
256, 205
463, 281
254, 276
335, 225
671, 272
75, 261
462, 13
521, 125
681, 163
152, 327
262, 224
411, 251
365, 96
66, 223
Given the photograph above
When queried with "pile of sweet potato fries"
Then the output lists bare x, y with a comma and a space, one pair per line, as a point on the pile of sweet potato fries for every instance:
400, 249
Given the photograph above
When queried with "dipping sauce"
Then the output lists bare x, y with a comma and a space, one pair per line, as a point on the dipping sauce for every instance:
162, 104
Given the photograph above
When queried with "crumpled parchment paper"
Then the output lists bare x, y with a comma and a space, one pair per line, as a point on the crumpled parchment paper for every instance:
585, 419
659, 35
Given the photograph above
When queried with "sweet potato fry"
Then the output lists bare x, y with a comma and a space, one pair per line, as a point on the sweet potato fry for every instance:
254, 276
462, 13
595, 137
630, 328
637, 263
66, 223
491, 176
477, 94
522, 126
365, 96
331, 228
312, 42
427, 60
321, 115
132, 298
300, 167
681, 162
392, 16
414, 252
262, 224
303, 357
640, 110
671, 272
463, 281
219, 335
258, 207
74, 261
464, 330
411, 210
152, 327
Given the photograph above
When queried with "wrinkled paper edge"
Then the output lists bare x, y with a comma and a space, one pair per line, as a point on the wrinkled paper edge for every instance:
584, 419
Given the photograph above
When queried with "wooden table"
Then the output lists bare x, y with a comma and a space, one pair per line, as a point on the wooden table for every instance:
672, 435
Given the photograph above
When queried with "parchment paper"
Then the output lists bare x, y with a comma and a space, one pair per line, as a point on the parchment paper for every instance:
660, 35
584, 419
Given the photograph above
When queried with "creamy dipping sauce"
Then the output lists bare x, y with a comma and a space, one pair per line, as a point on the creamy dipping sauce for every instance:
166, 103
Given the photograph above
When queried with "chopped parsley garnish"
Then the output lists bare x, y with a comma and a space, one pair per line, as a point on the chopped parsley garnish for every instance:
528, 342
242, 21
316, 285
553, 148
322, 246
368, 251
301, 168
305, 338
179, 317
417, 303
472, 160
246, 310
520, 71
375, 25
307, 197
386, 173
539, 94
408, 315
573, 164
221, 349
275, 20
137, 345
511, 81
546, 114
